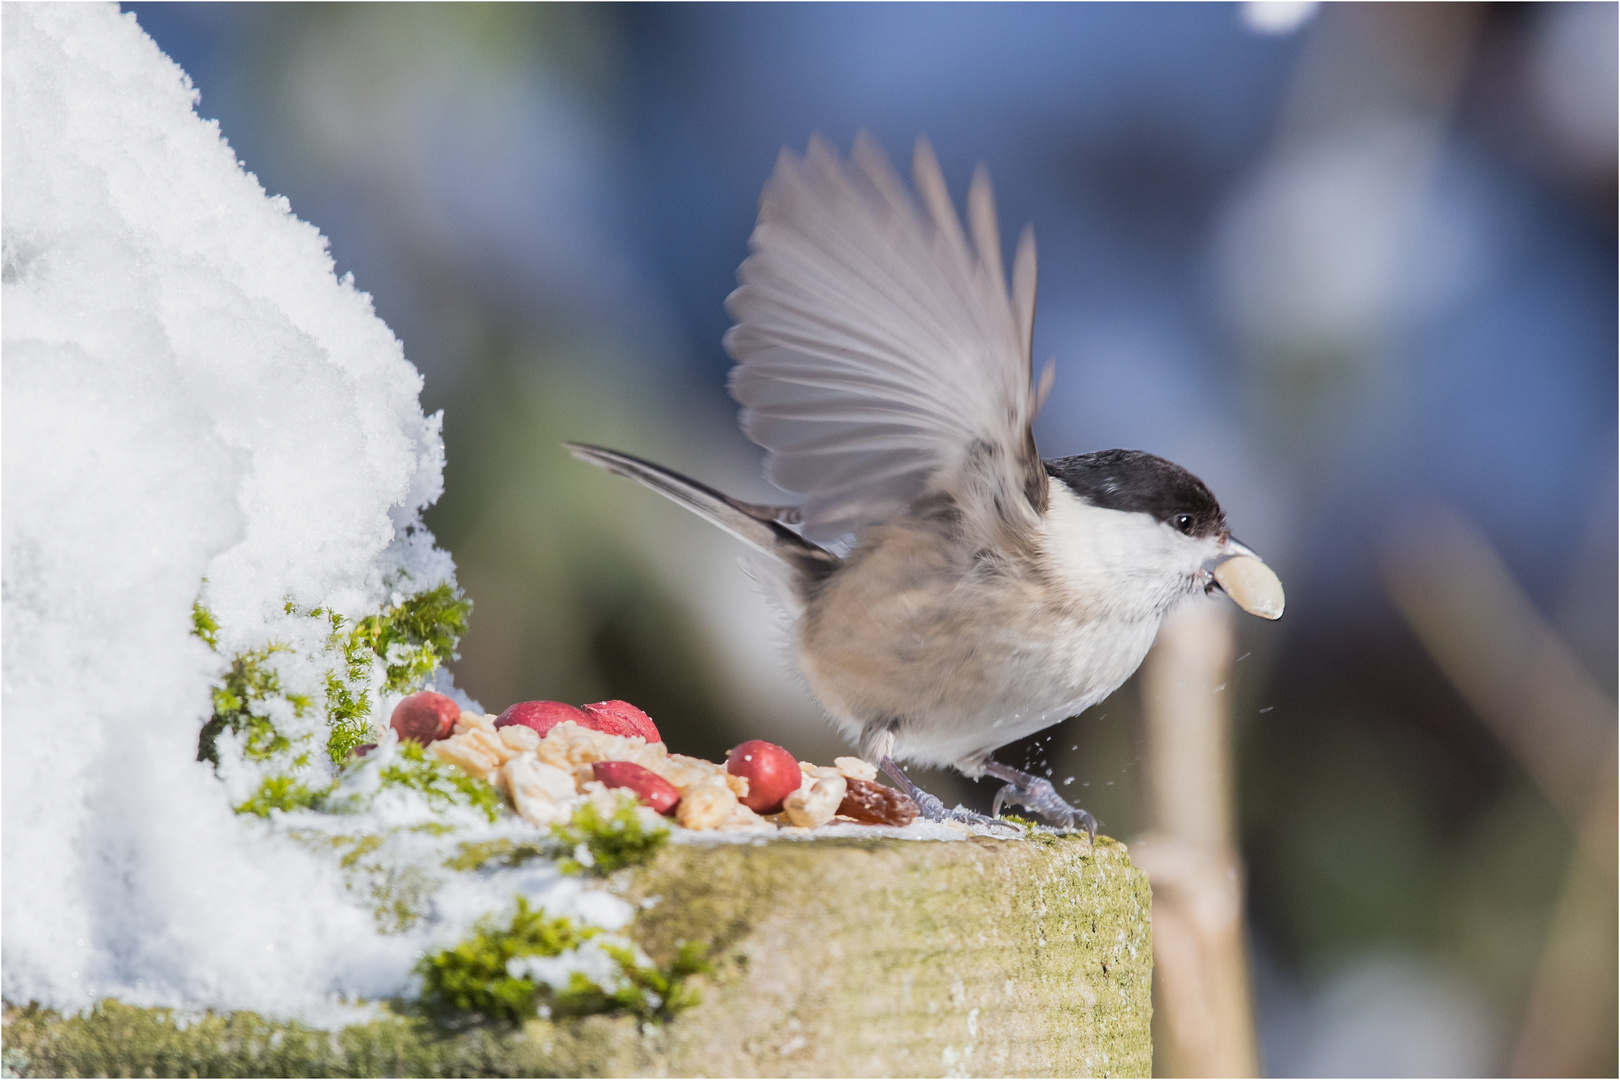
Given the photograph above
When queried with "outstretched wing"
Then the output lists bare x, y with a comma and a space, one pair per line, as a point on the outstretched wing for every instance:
880, 359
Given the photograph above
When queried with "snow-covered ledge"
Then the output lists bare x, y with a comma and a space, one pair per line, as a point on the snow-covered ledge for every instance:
834, 957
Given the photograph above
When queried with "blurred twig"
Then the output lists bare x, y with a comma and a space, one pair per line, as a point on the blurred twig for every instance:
1534, 695
1503, 658
1571, 1013
1198, 939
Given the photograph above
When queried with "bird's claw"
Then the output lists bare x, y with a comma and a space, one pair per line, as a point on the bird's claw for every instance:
932, 809
1040, 796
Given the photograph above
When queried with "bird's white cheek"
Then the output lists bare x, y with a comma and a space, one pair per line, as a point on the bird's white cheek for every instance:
1113, 560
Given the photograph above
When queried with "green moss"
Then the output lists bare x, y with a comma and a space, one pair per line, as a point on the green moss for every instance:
359, 849
416, 635
239, 705
283, 793
204, 624
601, 846
648, 991
347, 713
345, 847
472, 855
396, 892
440, 783
410, 639
398, 895
474, 978
239, 702
114, 1039
586, 843
433, 828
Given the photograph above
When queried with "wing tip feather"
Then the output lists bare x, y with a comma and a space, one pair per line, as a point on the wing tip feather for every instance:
864, 202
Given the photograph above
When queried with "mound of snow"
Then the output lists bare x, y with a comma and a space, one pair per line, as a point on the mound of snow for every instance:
190, 396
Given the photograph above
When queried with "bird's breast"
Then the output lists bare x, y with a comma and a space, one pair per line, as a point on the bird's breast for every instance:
961, 657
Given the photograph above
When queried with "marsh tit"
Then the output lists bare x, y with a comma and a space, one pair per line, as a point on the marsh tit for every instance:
949, 591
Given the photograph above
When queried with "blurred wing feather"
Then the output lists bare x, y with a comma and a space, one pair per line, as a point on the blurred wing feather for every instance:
880, 358
1023, 292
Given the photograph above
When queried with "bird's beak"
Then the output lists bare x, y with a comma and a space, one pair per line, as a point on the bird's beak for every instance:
1243, 576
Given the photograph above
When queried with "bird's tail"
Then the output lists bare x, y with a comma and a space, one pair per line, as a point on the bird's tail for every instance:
760, 527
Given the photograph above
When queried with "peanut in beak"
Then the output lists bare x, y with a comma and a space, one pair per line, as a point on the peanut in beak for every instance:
1251, 585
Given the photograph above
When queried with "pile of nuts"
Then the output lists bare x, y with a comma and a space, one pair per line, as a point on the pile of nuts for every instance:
549, 758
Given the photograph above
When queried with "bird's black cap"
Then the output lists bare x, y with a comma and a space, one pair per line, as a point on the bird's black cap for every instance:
1135, 482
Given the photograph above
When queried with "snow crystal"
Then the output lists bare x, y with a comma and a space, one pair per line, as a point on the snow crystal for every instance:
189, 394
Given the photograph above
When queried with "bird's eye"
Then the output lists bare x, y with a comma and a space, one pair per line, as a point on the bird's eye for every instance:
1184, 522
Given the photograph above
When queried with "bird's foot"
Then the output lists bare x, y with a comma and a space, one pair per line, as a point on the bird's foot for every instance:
1038, 794
932, 809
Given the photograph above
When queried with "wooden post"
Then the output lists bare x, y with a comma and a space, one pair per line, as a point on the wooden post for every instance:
835, 957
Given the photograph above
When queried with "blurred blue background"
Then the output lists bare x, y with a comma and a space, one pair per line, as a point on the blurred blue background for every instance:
1349, 266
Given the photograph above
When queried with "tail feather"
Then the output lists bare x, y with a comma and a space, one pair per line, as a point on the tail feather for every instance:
757, 525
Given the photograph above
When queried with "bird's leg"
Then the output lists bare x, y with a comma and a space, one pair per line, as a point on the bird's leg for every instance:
877, 742
932, 808
1038, 795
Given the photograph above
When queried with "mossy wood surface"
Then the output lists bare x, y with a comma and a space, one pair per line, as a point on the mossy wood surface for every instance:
831, 958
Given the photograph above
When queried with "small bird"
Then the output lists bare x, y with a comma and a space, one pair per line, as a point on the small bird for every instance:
949, 591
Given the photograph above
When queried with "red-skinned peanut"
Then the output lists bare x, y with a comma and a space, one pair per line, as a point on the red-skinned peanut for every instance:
542, 716
651, 788
772, 774
622, 718
425, 717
